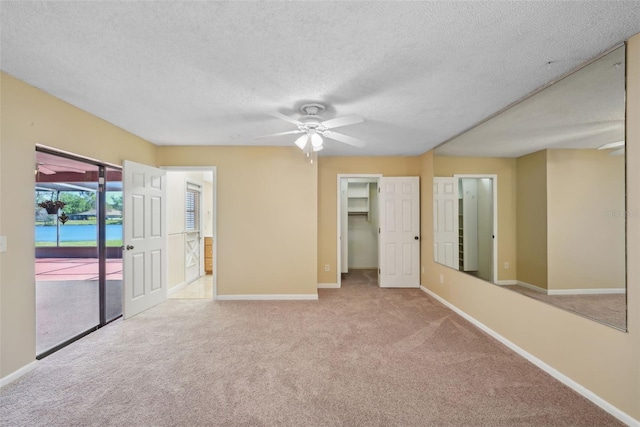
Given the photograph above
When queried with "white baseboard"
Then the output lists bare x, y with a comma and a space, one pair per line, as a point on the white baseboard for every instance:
269, 297
601, 291
530, 286
621, 415
17, 374
328, 286
506, 282
176, 288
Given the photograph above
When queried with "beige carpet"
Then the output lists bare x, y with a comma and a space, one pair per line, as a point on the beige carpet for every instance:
606, 308
359, 356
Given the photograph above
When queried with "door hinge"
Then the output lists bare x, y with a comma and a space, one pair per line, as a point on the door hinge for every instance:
378, 189
378, 230
379, 271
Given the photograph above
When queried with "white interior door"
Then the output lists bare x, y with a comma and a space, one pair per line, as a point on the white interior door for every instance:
144, 238
399, 243
445, 221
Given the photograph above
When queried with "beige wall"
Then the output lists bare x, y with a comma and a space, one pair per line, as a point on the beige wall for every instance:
266, 216
505, 169
531, 214
30, 117
602, 359
175, 228
586, 219
328, 170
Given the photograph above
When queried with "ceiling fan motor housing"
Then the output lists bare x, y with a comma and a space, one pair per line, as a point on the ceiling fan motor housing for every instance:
312, 109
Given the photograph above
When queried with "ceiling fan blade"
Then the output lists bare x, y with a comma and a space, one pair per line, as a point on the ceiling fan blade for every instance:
611, 145
618, 152
351, 119
344, 138
67, 168
291, 132
286, 118
45, 170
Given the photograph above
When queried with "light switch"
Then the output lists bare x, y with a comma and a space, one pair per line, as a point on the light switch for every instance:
3, 243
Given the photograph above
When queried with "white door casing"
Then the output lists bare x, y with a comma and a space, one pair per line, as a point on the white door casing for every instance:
469, 196
144, 238
399, 242
344, 226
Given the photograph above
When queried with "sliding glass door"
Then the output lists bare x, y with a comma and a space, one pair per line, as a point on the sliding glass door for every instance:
78, 235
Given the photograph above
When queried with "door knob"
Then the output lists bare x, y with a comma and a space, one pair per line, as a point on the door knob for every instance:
129, 247
416, 238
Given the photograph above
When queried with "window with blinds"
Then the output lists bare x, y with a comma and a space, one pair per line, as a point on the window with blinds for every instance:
192, 207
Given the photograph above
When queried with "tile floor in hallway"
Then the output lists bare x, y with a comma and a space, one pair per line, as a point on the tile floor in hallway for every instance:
199, 288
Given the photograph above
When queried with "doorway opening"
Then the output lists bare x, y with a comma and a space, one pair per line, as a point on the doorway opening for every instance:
358, 229
191, 237
477, 225
78, 255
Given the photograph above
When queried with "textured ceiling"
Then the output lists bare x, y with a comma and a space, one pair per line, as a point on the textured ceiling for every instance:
584, 110
195, 73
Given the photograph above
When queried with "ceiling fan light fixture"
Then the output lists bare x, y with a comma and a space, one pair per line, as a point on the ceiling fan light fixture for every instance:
316, 141
302, 141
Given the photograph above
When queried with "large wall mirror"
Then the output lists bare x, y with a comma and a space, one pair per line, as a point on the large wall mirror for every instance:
533, 199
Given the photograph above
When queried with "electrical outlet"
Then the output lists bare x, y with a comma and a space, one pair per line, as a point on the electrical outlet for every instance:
506, 265
442, 279
326, 267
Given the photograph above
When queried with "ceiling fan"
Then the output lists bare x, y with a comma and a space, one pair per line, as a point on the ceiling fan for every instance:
52, 169
617, 146
314, 128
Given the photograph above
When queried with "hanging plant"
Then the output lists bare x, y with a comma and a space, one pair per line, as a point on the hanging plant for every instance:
52, 206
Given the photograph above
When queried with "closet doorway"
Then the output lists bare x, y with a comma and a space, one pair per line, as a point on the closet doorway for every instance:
358, 227
191, 236
477, 225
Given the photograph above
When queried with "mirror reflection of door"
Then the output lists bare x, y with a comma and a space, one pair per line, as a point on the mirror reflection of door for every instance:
464, 223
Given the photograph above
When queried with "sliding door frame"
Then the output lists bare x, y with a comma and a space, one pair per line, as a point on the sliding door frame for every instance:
101, 243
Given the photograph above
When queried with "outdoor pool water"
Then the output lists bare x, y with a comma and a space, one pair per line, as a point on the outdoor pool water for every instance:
76, 233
